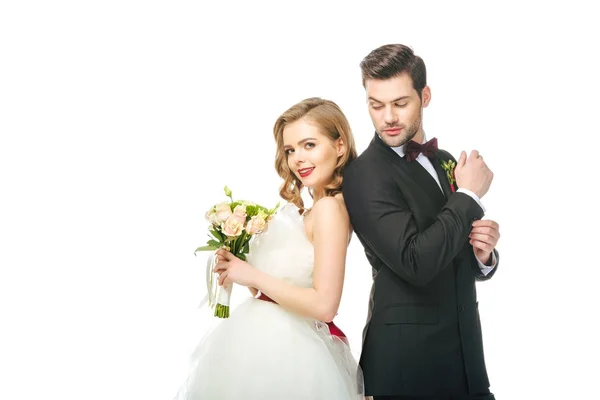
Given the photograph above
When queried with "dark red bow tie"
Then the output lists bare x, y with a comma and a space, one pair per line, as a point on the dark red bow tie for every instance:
412, 149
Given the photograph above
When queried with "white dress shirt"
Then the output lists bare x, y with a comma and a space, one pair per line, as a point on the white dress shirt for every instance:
424, 161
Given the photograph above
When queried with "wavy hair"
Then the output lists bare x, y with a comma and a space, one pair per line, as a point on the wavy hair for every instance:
332, 123
391, 60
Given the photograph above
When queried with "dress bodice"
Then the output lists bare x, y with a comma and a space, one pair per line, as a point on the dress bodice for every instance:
284, 251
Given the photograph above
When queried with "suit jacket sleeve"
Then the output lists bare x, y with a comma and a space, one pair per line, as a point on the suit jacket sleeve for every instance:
479, 275
385, 223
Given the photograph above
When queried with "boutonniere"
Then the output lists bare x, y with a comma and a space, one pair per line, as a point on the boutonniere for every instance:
449, 166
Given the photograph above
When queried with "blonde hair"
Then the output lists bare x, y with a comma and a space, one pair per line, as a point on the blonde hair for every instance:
333, 124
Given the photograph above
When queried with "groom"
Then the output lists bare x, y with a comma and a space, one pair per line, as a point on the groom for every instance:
418, 215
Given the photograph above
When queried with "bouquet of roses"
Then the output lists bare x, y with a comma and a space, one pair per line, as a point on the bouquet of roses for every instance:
232, 225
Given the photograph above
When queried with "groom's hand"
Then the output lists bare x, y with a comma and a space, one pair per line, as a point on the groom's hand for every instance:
473, 174
483, 237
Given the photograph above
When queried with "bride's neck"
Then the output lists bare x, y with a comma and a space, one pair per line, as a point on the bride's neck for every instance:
318, 195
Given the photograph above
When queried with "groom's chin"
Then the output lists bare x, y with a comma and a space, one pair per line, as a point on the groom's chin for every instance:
393, 141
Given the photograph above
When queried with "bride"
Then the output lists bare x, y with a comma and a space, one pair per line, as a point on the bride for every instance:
282, 344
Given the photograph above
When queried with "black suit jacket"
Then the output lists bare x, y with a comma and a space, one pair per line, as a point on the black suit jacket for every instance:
423, 333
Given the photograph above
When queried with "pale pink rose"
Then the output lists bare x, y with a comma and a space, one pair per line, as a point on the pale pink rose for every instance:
255, 225
223, 211
232, 227
211, 216
239, 213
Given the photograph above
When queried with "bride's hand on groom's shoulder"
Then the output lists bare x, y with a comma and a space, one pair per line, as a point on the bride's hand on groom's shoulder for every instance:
233, 270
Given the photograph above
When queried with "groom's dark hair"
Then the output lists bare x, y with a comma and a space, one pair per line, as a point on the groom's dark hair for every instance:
391, 60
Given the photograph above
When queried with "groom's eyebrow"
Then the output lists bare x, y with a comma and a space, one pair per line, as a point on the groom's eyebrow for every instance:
393, 101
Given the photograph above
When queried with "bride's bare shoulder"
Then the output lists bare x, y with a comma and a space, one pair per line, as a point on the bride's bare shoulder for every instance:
328, 212
330, 209
329, 204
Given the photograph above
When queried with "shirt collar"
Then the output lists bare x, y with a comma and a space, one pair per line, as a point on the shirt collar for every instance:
400, 149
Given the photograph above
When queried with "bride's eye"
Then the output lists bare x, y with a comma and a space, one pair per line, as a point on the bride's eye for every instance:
287, 152
310, 145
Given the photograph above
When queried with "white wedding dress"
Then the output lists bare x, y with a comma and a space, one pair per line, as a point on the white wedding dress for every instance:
263, 352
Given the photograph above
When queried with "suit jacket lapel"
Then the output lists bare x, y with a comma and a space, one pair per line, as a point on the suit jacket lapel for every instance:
437, 164
414, 171
425, 181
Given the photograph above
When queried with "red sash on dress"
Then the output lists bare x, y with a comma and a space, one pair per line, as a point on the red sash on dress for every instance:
333, 329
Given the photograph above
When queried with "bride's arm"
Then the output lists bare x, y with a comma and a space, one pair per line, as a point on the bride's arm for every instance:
331, 228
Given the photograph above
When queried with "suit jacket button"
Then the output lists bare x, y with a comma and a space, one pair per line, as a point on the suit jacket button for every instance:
462, 308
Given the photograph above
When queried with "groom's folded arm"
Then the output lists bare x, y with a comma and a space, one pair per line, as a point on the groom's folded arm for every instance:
385, 223
485, 272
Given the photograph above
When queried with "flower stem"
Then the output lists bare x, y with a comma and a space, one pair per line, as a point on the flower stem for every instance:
221, 311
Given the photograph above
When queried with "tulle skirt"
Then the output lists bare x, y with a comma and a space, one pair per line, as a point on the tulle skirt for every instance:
263, 352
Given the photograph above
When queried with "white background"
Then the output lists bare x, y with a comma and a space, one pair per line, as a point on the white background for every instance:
121, 121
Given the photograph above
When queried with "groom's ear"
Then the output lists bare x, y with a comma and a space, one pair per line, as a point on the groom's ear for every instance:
425, 96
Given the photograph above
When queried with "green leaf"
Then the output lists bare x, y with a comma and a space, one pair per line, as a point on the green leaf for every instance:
229, 240
214, 243
236, 245
272, 210
217, 235
205, 248
251, 211
241, 256
243, 240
